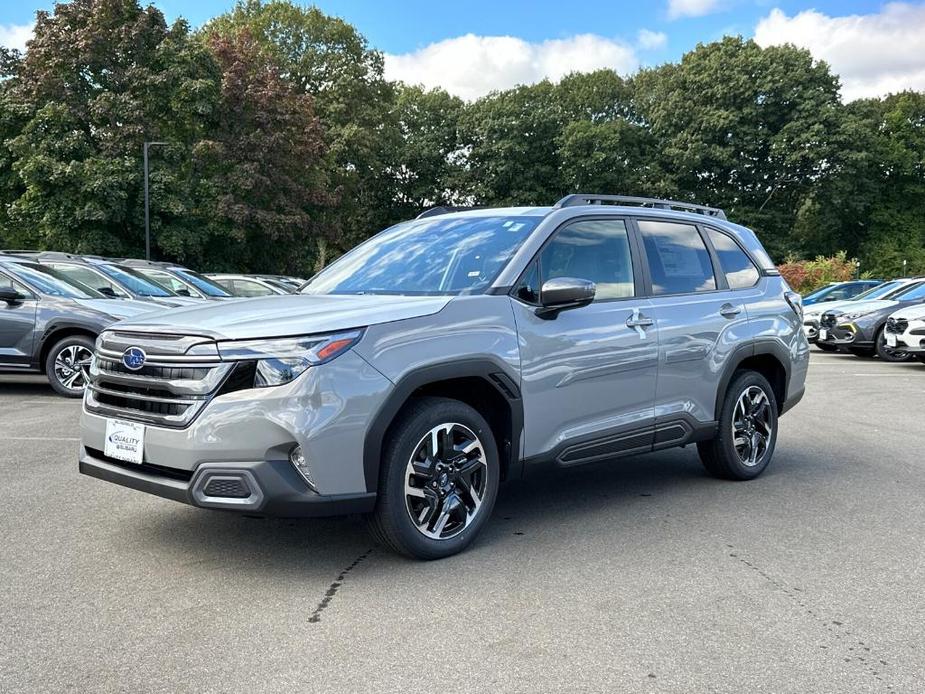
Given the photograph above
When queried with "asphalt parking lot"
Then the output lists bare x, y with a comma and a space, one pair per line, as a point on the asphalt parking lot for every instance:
638, 575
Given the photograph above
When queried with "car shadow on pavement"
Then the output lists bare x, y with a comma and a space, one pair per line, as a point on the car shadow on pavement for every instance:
548, 498
28, 386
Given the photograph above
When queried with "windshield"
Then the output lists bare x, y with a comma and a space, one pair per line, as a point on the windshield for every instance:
203, 284
427, 257
915, 291
134, 281
822, 291
48, 281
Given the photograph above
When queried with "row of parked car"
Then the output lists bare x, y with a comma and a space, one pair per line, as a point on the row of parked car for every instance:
869, 318
53, 305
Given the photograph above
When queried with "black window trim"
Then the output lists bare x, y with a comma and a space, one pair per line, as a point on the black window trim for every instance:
635, 258
32, 296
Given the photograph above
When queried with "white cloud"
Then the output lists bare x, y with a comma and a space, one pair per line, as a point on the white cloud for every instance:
692, 8
874, 54
470, 66
15, 35
651, 40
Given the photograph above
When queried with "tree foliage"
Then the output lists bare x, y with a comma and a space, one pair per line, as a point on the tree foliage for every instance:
287, 145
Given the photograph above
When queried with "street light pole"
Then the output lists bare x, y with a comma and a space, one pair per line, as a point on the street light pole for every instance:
147, 212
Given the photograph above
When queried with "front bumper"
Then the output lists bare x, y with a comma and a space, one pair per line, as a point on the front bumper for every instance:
267, 487
811, 330
910, 340
844, 335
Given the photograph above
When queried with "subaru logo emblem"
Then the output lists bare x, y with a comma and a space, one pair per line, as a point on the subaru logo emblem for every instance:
134, 358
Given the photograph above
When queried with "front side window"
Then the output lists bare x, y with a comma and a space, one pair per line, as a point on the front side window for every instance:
740, 271
431, 256
168, 280
134, 280
594, 250
203, 284
678, 259
912, 293
249, 288
7, 283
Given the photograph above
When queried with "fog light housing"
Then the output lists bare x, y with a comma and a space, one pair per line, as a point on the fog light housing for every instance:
300, 463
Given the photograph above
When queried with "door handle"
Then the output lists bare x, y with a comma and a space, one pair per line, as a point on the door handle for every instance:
637, 321
730, 311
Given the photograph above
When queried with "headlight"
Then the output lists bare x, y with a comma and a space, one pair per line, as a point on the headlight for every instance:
280, 360
853, 316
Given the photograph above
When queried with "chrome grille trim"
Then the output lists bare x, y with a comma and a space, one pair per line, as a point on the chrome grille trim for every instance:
172, 387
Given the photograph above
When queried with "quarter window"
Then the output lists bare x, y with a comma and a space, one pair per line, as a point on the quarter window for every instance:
739, 269
678, 259
595, 250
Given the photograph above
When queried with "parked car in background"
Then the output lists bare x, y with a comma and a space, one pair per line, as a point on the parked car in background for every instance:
859, 327
905, 331
415, 372
250, 285
813, 314
108, 278
294, 282
48, 323
839, 291
178, 279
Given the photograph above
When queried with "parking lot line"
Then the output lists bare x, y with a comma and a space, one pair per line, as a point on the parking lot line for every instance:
39, 438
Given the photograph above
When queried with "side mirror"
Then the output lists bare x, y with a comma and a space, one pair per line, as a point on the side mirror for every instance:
563, 293
10, 295
183, 292
107, 292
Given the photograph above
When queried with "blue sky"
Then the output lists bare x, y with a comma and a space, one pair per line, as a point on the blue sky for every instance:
423, 39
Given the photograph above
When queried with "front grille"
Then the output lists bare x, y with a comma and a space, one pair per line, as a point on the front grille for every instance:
149, 468
896, 325
181, 374
828, 320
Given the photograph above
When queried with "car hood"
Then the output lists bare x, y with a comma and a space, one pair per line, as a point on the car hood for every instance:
289, 314
174, 301
823, 306
119, 308
865, 306
914, 312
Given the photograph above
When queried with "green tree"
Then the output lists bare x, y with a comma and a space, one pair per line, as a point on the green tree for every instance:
743, 127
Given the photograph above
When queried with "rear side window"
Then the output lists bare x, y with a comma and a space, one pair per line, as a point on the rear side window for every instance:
678, 259
740, 271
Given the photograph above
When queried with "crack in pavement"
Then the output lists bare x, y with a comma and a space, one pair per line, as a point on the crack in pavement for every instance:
871, 663
332, 589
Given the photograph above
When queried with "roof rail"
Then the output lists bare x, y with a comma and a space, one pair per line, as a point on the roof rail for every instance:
577, 199
19, 252
444, 209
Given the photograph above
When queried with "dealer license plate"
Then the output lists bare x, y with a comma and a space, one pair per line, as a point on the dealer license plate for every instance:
823, 334
890, 340
125, 440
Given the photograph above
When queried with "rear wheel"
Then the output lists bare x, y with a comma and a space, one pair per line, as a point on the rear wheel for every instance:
747, 432
439, 479
887, 353
920, 358
68, 365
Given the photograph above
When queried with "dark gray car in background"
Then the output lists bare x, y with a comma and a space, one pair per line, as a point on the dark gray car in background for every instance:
48, 323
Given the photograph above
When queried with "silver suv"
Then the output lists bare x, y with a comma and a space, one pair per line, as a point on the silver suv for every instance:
450, 352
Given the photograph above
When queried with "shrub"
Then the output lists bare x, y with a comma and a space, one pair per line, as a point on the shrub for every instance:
806, 275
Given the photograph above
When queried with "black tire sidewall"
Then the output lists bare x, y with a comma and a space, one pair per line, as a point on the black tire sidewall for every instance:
424, 415
736, 468
880, 347
55, 350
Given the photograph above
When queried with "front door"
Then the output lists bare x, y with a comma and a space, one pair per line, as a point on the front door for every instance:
17, 326
588, 375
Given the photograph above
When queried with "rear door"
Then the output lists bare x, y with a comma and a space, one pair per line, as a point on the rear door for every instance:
17, 325
588, 375
700, 318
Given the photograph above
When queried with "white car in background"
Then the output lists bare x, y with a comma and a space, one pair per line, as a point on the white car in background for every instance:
905, 331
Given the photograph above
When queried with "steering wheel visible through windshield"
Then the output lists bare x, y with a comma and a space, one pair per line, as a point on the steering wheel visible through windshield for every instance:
432, 256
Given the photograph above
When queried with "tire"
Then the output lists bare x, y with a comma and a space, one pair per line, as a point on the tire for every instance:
721, 456
826, 347
920, 358
887, 354
454, 493
64, 377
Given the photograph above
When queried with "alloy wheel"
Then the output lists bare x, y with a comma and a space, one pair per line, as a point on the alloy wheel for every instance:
72, 367
445, 481
751, 425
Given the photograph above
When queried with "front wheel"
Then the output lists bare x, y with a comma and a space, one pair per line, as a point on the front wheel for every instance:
68, 365
439, 479
747, 431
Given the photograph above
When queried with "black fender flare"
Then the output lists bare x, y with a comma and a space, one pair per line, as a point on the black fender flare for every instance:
494, 372
756, 348
56, 326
